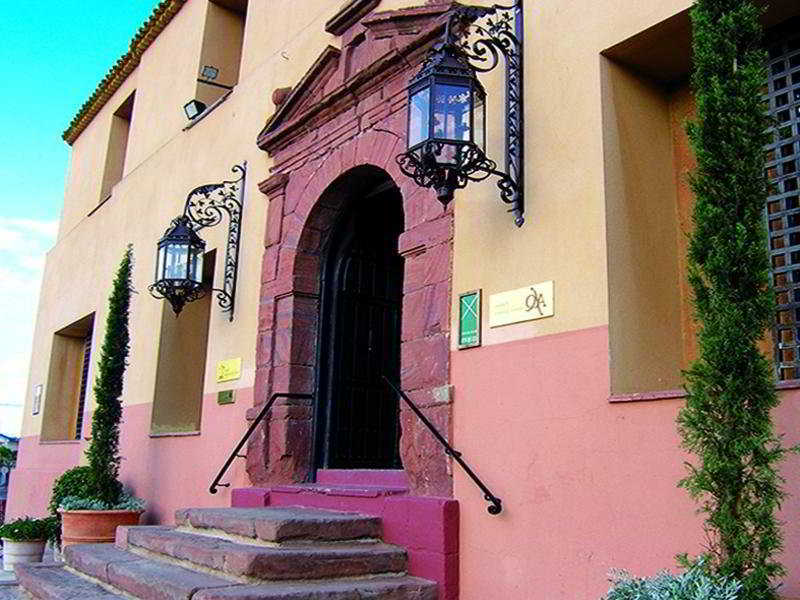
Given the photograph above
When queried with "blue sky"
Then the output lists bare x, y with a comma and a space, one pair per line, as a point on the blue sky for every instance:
52, 55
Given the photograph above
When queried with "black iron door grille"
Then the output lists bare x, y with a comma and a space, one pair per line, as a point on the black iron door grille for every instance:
363, 293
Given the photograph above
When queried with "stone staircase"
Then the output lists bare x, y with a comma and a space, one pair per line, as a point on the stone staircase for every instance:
287, 553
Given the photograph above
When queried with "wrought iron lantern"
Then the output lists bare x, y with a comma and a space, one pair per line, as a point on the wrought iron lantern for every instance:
446, 146
446, 120
179, 264
179, 258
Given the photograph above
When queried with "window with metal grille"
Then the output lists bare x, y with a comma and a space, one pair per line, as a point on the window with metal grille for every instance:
68, 381
783, 204
87, 356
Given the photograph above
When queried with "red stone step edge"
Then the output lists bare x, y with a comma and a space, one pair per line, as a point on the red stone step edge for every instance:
149, 579
281, 524
308, 561
54, 582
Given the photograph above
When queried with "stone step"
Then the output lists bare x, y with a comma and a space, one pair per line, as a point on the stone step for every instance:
54, 582
282, 524
139, 576
303, 561
149, 579
346, 490
383, 588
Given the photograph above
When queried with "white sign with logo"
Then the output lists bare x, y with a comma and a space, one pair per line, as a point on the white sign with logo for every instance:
524, 304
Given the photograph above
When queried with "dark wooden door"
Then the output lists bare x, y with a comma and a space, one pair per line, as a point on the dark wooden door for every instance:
360, 337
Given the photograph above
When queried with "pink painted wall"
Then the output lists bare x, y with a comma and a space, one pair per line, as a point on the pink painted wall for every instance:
587, 485
168, 472
37, 467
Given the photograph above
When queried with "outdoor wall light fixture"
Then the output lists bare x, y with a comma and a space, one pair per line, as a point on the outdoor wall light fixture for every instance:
179, 259
447, 106
208, 74
193, 108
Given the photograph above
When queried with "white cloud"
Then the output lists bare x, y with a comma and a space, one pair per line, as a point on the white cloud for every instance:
23, 244
45, 229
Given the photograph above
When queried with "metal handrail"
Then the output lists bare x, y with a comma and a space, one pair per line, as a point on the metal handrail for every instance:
496, 505
235, 454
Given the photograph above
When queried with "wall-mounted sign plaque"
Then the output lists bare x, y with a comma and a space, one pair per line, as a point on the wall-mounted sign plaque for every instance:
37, 399
469, 319
524, 304
229, 369
225, 397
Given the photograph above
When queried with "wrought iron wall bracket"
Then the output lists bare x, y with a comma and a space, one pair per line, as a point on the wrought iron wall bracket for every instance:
205, 206
480, 36
179, 261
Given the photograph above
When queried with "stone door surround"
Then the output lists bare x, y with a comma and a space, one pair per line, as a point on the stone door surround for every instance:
336, 133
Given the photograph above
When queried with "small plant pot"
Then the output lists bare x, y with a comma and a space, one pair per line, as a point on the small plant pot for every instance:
15, 553
94, 526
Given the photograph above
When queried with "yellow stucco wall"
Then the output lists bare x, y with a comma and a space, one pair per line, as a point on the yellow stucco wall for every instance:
163, 163
564, 238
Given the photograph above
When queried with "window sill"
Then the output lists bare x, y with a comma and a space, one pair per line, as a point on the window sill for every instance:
175, 434
57, 442
99, 205
647, 396
208, 110
793, 384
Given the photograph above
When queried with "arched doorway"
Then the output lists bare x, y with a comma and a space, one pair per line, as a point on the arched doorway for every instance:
306, 202
356, 415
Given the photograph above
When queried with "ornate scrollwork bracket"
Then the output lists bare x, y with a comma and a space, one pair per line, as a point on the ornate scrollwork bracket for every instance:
499, 31
205, 207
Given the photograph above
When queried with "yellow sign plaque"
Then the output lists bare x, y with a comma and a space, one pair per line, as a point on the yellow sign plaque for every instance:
523, 304
229, 369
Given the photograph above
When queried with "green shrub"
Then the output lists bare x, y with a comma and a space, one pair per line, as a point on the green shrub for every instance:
7, 457
26, 529
694, 584
103, 451
75, 482
126, 502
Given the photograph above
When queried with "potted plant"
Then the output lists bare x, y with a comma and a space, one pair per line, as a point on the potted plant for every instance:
96, 502
24, 540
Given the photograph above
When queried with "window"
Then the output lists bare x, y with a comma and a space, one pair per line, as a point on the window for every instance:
117, 147
783, 204
68, 381
645, 203
180, 375
221, 53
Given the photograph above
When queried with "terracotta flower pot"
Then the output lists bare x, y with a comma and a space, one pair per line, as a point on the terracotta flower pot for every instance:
94, 526
15, 553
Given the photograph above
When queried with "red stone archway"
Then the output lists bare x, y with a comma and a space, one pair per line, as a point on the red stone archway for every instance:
345, 114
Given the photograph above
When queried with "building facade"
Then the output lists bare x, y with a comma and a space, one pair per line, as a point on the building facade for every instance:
348, 271
12, 444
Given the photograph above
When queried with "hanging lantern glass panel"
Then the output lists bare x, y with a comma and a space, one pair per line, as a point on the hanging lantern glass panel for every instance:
179, 264
419, 117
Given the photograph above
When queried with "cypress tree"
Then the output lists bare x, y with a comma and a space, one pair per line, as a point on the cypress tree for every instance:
726, 422
103, 451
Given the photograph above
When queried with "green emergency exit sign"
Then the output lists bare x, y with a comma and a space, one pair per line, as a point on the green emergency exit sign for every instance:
469, 319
